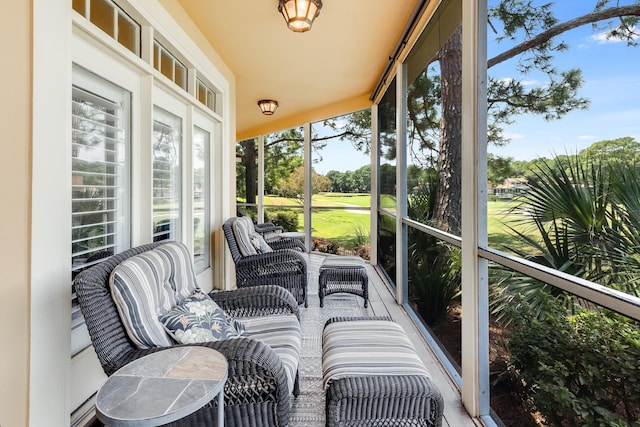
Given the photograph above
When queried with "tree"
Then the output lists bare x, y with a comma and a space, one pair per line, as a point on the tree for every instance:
534, 30
292, 185
499, 169
624, 150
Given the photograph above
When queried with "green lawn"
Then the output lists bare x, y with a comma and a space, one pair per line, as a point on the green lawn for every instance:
498, 221
346, 227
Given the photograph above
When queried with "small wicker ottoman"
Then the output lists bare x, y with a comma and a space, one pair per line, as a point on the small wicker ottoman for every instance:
343, 274
373, 376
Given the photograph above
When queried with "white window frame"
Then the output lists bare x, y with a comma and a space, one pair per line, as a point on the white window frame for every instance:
179, 111
89, 82
207, 124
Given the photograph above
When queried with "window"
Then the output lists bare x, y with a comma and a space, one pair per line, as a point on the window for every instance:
206, 95
341, 184
167, 138
165, 62
107, 16
100, 174
201, 230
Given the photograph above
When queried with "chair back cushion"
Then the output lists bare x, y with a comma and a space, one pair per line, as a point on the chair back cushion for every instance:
248, 240
148, 285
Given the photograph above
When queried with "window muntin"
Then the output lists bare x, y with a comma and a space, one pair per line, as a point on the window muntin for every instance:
100, 184
206, 95
201, 198
170, 67
167, 194
111, 19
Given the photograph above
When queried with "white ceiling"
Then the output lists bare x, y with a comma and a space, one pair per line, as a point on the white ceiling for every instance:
333, 67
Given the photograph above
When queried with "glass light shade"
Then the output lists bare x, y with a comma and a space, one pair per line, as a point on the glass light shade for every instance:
268, 106
300, 14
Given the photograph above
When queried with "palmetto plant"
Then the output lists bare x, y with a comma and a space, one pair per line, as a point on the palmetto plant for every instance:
587, 216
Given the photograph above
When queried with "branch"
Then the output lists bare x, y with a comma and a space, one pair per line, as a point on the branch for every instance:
614, 12
323, 138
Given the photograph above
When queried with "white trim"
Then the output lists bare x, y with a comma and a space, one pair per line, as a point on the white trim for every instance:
206, 277
260, 195
374, 193
475, 323
402, 287
50, 264
307, 185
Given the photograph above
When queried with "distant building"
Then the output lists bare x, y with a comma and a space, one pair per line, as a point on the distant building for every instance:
512, 187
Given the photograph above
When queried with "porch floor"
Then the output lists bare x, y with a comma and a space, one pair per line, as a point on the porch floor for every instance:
308, 408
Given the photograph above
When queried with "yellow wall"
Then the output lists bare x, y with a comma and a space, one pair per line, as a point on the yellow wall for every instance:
15, 140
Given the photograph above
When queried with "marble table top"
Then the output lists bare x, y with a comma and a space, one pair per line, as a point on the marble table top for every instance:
162, 387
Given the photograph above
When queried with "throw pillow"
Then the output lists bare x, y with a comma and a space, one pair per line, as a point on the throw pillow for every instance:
199, 319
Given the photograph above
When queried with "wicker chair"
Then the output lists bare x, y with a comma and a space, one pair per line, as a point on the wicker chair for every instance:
256, 391
268, 230
285, 266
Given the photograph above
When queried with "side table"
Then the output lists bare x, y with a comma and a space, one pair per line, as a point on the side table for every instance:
163, 387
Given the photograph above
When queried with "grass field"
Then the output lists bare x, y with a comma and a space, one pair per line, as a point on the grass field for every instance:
349, 227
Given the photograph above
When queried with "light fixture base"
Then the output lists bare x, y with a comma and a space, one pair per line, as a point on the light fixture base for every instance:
299, 14
268, 106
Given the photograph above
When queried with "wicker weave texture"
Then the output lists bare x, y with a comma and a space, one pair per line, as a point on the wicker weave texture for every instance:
343, 275
285, 266
382, 400
256, 391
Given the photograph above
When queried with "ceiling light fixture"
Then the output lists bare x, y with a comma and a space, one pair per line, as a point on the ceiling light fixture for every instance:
300, 14
268, 106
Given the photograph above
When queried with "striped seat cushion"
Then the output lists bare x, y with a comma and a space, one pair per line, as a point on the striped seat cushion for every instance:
367, 348
148, 285
281, 333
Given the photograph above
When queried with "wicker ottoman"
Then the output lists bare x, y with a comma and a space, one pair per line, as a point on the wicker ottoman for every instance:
343, 274
373, 376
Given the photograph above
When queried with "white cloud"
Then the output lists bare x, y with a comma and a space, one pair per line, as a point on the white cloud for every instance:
507, 80
601, 38
586, 137
512, 136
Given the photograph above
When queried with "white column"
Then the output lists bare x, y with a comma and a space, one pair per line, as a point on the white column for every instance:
260, 200
475, 325
401, 184
307, 185
373, 244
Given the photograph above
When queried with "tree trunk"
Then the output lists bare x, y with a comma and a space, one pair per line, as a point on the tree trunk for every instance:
251, 170
447, 215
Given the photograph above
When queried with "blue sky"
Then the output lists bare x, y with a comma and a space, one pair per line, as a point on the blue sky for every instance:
611, 73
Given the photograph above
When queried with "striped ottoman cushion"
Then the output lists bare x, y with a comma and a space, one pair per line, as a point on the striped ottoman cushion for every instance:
359, 348
281, 333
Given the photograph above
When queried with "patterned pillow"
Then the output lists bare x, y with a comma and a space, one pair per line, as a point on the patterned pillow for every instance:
199, 319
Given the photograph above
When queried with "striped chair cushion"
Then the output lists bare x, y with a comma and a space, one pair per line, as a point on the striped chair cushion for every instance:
148, 285
281, 333
241, 232
249, 241
367, 348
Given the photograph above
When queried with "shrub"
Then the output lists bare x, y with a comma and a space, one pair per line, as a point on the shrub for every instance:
579, 369
288, 219
434, 280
